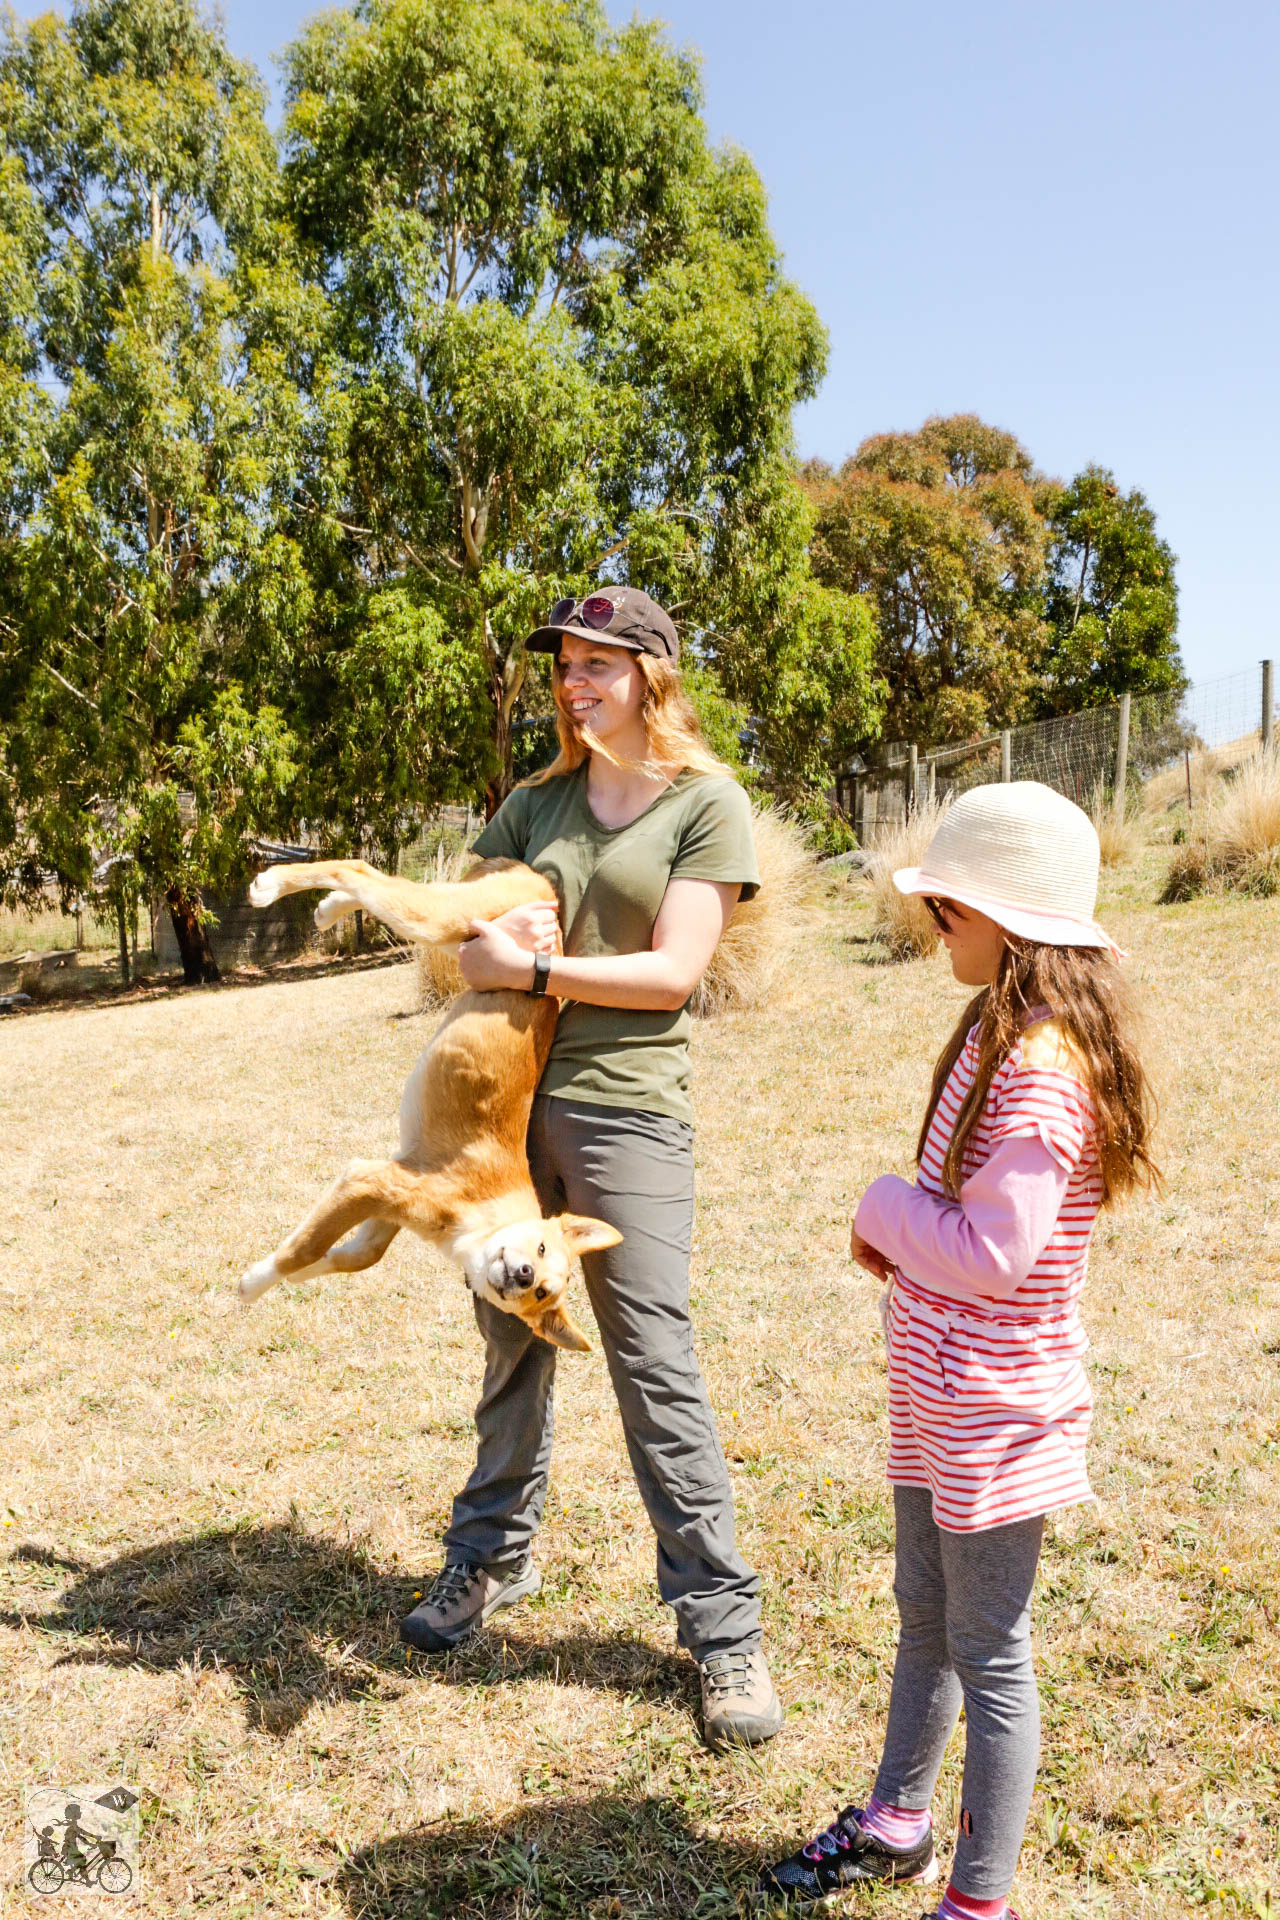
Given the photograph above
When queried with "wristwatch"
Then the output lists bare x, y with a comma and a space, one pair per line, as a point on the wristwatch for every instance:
541, 972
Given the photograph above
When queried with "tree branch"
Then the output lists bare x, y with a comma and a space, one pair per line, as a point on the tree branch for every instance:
62, 680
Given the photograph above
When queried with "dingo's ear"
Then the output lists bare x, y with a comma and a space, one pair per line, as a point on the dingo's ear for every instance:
582, 1234
559, 1330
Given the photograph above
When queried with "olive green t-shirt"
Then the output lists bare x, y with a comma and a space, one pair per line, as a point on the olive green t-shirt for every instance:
610, 882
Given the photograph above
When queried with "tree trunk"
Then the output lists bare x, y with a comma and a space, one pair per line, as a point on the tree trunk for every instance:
508, 681
122, 928
500, 785
199, 968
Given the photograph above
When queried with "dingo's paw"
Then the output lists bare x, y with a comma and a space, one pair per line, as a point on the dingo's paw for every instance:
334, 907
268, 887
258, 1280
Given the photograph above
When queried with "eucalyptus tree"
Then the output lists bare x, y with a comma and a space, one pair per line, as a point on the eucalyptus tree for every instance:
157, 584
1112, 596
572, 353
942, 530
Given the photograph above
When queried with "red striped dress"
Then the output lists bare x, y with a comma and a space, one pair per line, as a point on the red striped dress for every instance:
989, 1405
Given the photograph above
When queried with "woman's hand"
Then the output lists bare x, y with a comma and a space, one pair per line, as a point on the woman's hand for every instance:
491, 960
535, 927
869, 1258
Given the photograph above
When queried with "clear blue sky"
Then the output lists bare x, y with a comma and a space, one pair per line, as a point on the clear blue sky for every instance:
1062, 218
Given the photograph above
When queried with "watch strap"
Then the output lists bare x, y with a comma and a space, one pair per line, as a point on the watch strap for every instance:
541, 972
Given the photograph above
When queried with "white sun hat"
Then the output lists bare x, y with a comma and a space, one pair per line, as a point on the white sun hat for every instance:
1022, 854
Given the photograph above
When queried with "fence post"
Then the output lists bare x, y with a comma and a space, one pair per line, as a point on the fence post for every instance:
1122, 752
1006, 755
1268, 703
933, 781
913, 779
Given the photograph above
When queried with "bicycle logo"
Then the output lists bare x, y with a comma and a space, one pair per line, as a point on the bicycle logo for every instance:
87, 1838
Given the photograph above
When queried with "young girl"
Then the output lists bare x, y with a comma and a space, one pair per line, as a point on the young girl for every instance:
1038, 1117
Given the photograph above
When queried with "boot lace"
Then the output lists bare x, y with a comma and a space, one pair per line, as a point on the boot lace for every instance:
451, 1584
727, 1674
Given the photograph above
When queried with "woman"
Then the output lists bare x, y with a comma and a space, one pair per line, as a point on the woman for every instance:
648, 842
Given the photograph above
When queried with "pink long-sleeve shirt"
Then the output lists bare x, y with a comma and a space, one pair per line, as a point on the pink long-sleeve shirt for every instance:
986, 1242
989, 1404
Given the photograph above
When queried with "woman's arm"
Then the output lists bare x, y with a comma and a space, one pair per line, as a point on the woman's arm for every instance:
691, 919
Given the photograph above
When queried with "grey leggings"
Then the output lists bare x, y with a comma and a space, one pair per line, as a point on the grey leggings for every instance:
965, 1604
634, 1170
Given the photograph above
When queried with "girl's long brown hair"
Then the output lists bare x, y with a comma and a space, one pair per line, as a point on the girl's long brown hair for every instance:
675, 737
1083, 989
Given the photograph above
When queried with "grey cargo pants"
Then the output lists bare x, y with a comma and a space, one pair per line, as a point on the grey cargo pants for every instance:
634, 1170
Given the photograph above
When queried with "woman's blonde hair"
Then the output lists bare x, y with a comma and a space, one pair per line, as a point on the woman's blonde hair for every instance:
671, 724
1085, 993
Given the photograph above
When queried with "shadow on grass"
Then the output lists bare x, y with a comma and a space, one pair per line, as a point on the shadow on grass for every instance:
294, 1618
602, 1858
298, 1620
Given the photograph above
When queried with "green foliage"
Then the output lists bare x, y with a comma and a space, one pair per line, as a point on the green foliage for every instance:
159, 580
940, 530
999, 596
570, 351
1111, 599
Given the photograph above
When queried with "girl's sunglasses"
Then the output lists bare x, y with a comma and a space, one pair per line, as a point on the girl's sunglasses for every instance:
596, 612
938, 911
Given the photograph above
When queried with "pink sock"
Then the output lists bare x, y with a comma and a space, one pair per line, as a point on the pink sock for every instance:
963, 1906
899, 1827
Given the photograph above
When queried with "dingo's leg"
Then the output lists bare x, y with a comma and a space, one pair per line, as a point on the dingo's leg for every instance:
436, 913
367, 1187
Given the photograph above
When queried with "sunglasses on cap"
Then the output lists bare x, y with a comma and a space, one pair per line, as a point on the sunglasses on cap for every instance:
597, 611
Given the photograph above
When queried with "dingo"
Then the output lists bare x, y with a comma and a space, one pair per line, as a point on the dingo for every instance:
461, 1179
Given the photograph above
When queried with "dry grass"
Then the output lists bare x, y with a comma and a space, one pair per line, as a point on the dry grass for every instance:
1236, 841
1166, 791
760, 942
1117, 829
901, 922
215, 1517
436, 976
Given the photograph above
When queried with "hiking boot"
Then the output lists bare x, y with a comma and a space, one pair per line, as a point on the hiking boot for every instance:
845, 1856
739, 1705
460, 1600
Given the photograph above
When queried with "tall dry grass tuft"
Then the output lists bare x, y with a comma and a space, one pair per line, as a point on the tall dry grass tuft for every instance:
1236, 842
758, 944
1244, 827
436, 978
1115, 826
899, 921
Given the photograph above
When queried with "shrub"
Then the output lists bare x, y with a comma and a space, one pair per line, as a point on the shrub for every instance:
901, 922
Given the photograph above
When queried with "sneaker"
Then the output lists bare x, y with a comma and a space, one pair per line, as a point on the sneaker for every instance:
1010, 1913
460, 1600
739, 1705
845, 1856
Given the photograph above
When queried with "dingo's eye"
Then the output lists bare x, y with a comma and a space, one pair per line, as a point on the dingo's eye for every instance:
542, 1247
540, 1294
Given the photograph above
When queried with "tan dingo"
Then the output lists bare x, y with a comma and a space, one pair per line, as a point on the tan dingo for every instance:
461, 1178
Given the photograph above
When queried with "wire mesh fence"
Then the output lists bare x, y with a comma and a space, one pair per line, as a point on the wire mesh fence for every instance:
1084, 755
